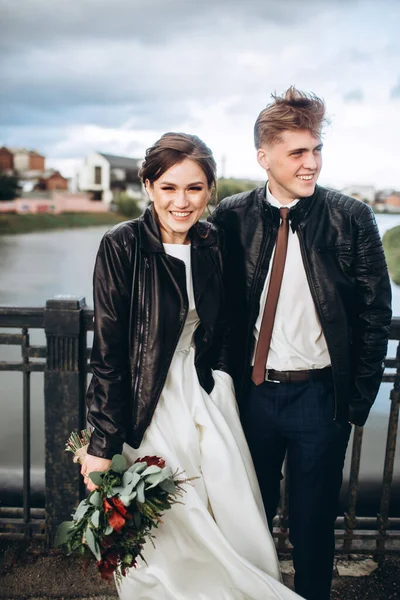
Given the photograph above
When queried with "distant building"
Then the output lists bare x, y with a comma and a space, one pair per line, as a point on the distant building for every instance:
366, 193
55, 202
104, 176
6, 161
29, 167
52, 180
28, 160
31, 181
392, 203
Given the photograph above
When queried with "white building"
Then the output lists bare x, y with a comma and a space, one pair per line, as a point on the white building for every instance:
106, 175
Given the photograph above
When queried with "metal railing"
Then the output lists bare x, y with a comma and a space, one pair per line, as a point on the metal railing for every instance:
64, 362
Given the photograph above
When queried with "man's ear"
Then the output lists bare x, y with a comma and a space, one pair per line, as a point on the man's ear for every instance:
262, 159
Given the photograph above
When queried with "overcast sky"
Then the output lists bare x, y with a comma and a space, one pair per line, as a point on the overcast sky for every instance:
112, 75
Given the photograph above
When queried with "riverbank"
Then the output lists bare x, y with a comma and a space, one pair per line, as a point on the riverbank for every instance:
13, 223
391, 244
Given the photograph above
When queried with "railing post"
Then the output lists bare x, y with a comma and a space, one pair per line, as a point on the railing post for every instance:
383, 516
350, 519
64, 390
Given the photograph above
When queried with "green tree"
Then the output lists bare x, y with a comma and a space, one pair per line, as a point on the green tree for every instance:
228, 187
9, 188
126, 206
391, 244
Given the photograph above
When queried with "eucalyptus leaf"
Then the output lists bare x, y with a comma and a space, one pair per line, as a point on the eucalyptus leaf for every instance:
151, 470
81, 510
63, 533
118, 463
138, 467
95, 518
126, 480
126, 490
168, 485
96, 477
126, 500
156, 479
167, 471
127, 477
135, 480
95, 498
140, 492
108, 530
153, 480
92, 543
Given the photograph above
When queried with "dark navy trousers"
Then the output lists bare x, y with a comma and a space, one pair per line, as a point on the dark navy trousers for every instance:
298, 418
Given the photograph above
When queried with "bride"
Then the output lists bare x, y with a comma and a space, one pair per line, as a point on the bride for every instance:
161, 385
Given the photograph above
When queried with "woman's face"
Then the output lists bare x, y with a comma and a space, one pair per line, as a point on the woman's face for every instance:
180, 197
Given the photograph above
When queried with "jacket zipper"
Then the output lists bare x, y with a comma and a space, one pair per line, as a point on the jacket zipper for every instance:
182, 314
142, 318
316, 303
253, 292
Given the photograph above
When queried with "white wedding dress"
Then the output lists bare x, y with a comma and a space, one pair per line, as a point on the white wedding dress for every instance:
216, 545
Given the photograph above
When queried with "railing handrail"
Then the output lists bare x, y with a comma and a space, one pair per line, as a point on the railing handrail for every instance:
22, 316
65, 321
395, 329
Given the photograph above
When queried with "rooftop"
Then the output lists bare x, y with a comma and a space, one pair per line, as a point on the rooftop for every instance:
121, 162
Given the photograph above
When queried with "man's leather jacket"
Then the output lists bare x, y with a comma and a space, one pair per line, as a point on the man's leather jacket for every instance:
140, 307
346, 270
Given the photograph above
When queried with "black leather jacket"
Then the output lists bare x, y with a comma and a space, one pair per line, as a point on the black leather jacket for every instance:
346, 270
140, 307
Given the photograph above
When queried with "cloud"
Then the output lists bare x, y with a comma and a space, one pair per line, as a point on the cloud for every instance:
148, 21
354, 96
113, 75
395, 91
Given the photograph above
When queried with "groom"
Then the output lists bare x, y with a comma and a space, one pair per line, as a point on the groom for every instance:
309, 295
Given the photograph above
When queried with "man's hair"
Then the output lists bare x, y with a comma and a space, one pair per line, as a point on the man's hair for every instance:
292, 110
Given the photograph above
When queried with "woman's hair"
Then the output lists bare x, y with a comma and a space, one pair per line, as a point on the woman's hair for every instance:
173, 148
293, 110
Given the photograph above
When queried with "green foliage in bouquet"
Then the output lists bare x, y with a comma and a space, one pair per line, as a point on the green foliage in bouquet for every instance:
115, 521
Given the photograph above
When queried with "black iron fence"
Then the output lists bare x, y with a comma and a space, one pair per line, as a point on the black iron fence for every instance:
66, 322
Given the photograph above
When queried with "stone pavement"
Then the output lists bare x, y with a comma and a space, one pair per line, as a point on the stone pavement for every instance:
28, 572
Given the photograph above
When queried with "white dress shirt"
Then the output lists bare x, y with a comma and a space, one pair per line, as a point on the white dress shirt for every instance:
297, 342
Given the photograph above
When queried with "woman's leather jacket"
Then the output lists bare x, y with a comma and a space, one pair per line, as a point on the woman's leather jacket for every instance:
140, 307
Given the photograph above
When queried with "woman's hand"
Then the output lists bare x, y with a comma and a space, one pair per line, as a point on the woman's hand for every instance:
90, 464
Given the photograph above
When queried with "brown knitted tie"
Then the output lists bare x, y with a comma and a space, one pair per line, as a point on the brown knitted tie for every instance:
267, 324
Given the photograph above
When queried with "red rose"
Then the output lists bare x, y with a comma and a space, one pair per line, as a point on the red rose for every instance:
118, 504
109, 540
116, 513
112, 557
106, 569
152, 460
107, 506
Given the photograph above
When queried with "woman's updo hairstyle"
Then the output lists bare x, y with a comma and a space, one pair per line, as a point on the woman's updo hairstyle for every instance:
173, 148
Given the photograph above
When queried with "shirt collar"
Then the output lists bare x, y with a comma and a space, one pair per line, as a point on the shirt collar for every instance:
274, 202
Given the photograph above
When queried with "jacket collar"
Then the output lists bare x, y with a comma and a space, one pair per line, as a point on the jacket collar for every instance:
297, 214
202, 234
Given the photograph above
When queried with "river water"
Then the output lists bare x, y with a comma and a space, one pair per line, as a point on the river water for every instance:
35, 267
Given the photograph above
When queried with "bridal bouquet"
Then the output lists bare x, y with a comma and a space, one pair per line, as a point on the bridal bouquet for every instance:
115, 521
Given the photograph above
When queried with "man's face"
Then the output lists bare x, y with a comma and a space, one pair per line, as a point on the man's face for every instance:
293, 164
